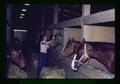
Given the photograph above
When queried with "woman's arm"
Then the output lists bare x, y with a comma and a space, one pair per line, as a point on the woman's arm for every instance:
49, 42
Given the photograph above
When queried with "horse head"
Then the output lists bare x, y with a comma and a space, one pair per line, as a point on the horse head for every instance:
76, 47
83, 53
70, 48
56, 41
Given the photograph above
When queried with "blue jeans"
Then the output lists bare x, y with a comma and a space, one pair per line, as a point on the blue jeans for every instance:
41, 62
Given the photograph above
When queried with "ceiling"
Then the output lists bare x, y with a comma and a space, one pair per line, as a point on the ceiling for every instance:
33, 15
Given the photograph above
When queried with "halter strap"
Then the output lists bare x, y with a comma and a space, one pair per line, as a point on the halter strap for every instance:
73, 62
85, 55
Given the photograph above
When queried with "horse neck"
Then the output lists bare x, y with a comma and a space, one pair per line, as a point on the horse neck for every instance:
103, 61
100, 56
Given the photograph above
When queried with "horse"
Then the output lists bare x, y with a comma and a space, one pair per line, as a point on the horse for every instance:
56, 41
84, 51
16, 56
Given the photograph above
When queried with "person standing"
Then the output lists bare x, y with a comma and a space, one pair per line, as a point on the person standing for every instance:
44, 44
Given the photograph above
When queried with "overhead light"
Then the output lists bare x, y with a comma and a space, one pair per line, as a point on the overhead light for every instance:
18, 30
22, 14
20, 17
23, 10
26, 4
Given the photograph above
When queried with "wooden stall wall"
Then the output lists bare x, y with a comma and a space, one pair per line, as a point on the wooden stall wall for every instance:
99, 33
75, 33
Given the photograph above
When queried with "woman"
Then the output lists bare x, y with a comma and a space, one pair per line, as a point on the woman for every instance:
43, 54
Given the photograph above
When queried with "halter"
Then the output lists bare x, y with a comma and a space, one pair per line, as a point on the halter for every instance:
85, 55
79, 61
73, 62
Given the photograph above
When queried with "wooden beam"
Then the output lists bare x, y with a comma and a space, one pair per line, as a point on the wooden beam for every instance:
67, 23
65, 15
43, 16
85, 10
71, 14
55, 20
100, 17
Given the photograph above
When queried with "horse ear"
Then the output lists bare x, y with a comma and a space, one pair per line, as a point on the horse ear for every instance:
83, 41
72, 39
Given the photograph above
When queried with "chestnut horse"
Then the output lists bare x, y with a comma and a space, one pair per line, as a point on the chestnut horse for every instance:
16, 56
84, 51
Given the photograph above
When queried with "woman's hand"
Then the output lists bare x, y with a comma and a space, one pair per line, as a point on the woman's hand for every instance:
49, 42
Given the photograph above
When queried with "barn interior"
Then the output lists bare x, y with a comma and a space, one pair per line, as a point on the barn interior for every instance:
94, 22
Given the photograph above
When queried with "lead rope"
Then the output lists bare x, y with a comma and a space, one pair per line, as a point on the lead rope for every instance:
84, 56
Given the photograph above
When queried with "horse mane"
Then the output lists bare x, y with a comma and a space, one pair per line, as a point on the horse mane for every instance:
101, 44
97, 42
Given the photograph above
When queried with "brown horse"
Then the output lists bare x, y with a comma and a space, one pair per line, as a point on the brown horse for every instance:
101, 51
17, 58
16, 55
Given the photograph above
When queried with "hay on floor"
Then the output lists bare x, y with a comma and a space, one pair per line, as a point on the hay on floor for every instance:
52, 73
15, 72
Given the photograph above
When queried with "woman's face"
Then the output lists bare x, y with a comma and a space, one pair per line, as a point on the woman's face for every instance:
45, 38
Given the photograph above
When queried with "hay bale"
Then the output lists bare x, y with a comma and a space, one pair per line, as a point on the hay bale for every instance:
52, 73
15, 72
